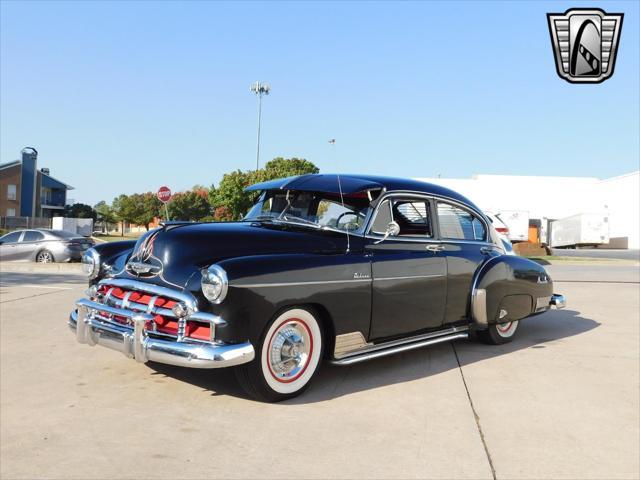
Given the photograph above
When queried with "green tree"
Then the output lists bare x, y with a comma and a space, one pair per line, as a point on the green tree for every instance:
148, 207
231, 195
123, 209
287, 167
79, 210
229, 199
191, 206
105, 214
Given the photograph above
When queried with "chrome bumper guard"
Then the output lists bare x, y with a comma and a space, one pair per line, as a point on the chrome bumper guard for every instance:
135, 343
557, 301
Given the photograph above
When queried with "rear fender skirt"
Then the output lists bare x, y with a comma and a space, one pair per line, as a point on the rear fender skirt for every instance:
507, 288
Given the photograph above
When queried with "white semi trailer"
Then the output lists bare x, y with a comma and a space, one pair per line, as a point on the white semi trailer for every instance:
583, 229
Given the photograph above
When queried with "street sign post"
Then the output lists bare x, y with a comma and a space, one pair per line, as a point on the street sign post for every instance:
164, 195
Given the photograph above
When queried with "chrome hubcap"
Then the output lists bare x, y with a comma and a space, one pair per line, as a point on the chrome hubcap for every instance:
44, 258
289, 350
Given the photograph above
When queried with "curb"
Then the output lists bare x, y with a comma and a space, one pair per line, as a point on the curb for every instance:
32, 267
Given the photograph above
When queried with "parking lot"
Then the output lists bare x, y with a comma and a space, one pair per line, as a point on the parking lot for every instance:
561, 401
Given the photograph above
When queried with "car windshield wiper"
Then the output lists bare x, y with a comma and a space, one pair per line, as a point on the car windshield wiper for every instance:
260, 218
284, 219
298, 220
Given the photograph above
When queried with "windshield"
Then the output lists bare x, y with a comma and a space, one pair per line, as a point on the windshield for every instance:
313, 209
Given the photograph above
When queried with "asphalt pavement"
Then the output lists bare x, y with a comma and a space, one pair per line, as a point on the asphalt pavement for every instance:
561, 401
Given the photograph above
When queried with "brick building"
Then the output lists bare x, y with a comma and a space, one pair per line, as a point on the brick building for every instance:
26, 191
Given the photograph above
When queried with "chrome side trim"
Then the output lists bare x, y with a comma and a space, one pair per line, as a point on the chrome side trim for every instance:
374, 347
390, 350
382, 279
479, 306
292, 284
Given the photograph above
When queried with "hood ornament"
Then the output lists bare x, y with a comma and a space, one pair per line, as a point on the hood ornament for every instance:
142, 263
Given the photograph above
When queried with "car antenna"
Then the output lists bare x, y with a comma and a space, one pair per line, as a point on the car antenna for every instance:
333, 142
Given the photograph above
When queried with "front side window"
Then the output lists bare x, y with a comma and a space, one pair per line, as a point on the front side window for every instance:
459, 224
12, 237
412, 215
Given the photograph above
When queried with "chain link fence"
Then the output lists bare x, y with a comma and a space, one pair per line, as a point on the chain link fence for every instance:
15, 223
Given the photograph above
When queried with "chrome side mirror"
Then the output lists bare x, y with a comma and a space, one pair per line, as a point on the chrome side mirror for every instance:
393, 229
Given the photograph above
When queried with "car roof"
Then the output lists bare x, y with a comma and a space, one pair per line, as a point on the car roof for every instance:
353, 183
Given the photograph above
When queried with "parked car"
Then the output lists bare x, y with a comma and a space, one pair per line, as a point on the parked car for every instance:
44, 246
503, 232
346, 269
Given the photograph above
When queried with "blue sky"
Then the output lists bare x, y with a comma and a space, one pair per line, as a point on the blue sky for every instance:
127, 96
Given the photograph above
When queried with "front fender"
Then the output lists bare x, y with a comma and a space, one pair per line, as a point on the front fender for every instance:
508, 288
260, 286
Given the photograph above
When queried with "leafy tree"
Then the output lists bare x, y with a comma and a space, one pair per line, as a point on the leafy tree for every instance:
287, 167
79, 210
191, 205
231, 195
229, 199
145, 208
105, 213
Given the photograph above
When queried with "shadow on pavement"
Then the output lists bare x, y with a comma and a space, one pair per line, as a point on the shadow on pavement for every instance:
332, 382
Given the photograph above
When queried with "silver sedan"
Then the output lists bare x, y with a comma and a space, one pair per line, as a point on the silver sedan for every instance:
43, 246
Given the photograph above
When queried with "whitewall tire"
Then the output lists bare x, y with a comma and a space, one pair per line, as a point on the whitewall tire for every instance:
499, 333
287, 358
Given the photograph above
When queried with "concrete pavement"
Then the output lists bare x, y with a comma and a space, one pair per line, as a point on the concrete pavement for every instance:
561, 401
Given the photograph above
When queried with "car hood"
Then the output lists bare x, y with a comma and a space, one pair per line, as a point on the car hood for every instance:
174, 253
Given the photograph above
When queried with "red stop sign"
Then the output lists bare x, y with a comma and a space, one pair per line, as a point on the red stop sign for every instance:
164, 194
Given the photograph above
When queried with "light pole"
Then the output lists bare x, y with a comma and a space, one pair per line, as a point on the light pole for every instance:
259, 89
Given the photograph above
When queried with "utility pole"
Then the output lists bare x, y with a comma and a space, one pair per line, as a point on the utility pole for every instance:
259, 89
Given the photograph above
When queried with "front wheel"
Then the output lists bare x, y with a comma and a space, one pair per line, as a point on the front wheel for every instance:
287, 357
499, 333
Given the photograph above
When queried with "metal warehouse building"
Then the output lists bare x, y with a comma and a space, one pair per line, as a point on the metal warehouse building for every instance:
553, 198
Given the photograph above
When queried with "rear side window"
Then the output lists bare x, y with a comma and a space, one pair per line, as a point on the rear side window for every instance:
11, 237
459, 224
32, 236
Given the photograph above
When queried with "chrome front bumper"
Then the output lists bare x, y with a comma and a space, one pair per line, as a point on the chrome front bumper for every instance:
135, 343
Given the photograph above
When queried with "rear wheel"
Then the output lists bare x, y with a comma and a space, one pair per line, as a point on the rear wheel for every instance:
45, 256
286, 359
499, 333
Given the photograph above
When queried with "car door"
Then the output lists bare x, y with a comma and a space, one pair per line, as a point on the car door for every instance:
409, 275
32, 241
9, 247
465, 237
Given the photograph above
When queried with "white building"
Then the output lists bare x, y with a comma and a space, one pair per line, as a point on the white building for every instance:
553, 198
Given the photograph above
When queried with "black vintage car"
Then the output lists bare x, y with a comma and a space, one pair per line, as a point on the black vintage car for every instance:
345, 268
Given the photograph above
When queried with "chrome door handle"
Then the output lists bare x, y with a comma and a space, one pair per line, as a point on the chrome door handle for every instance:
435, 248
486, 250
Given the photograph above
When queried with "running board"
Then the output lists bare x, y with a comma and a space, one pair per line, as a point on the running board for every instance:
397, 346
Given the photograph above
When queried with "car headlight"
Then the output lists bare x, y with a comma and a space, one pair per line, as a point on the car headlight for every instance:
91, 263
214, 284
